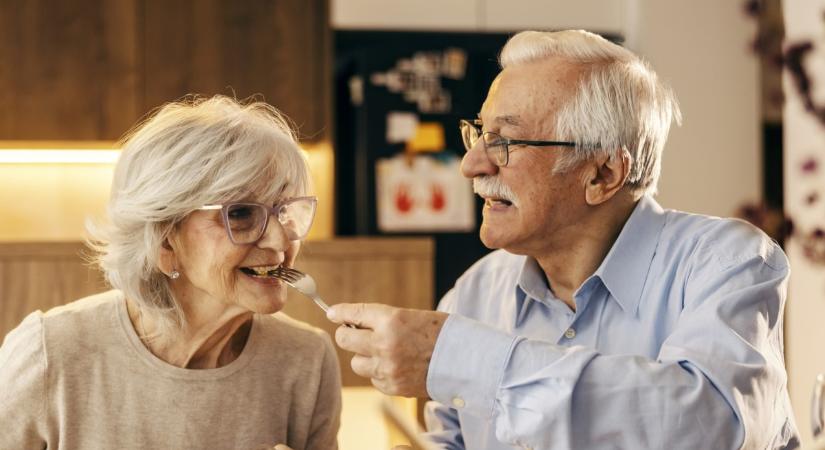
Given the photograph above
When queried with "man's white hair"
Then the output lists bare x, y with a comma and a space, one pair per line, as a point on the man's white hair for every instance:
619, 105
188, 154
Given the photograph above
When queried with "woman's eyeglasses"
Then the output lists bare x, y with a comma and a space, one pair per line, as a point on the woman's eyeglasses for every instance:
497, 146
246, 221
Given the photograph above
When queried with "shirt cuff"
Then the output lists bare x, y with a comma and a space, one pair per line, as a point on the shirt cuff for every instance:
467, 365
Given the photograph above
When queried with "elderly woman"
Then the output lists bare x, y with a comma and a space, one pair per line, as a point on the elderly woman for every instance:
208, 197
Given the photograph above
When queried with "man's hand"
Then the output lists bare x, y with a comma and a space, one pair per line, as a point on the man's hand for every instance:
392, 346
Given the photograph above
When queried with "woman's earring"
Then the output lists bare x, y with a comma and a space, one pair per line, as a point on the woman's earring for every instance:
174, 275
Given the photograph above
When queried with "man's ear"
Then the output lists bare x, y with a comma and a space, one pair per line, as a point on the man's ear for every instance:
606, 176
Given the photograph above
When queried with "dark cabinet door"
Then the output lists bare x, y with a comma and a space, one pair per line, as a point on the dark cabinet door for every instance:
274, 49
68, 69
89, 69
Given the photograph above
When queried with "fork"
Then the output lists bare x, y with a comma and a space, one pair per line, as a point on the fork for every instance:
303, 283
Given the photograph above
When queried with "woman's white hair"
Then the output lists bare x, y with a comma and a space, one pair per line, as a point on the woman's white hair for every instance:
620, 105
187, 154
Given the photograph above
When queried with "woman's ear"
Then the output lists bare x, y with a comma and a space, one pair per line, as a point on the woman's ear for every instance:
166, 257
606, 176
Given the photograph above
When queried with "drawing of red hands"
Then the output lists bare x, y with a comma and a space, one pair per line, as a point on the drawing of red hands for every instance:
403, 200
437, 200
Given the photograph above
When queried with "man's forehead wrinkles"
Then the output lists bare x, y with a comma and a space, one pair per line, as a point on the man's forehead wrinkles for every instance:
508, 119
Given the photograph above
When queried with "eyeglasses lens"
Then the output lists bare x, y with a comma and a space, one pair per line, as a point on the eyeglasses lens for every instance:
296, 217
496, 148
246, 222
469, 135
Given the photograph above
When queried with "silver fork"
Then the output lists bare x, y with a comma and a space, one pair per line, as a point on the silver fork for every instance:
302, 283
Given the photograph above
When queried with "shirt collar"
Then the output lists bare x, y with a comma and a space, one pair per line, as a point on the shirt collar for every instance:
625, 268
533, 282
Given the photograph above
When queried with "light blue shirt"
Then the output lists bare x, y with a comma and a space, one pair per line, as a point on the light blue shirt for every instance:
676, 342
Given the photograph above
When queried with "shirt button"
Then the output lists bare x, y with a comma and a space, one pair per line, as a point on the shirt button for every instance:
458, 402
570, 333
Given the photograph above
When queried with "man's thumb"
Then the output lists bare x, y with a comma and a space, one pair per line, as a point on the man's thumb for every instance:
358, 314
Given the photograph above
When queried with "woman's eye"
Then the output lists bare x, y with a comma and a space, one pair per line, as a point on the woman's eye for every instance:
240, 212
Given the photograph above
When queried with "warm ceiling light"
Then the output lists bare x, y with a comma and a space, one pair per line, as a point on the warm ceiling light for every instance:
58, 152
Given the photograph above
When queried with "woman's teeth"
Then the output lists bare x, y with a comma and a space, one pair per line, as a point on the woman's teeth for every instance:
260, 271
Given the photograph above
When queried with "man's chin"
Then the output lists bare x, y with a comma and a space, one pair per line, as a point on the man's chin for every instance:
491, 239
503, 241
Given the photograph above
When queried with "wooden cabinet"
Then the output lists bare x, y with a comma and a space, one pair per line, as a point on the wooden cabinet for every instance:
89, 69
68, 69
274, 49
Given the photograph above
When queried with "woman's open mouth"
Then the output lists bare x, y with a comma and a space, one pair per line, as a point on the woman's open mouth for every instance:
260, 271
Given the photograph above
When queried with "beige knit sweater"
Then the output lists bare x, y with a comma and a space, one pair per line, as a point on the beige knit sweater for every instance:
78, 377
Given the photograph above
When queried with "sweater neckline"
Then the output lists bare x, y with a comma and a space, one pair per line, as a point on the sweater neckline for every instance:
164, 368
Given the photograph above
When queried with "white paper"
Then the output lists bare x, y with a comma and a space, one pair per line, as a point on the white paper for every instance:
401, 126
423, 194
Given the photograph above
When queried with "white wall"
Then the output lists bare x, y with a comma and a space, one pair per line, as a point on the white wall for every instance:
478, 15
805, 313
441, 15
712, 163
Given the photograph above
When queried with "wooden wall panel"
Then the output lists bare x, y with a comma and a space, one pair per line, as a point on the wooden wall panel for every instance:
68, 69
394, 271
41, 276
90, 69
10, 35
119, 98
275, 50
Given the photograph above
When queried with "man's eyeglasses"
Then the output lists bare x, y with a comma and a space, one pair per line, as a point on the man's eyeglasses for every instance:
497, 146
246, 221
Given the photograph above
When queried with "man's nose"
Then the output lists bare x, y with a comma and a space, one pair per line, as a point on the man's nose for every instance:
475, 162
275, 236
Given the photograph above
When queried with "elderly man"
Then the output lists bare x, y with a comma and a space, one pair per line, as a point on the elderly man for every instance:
604, 321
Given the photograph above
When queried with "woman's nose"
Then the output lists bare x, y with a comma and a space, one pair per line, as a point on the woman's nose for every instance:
274, 237
475, 162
